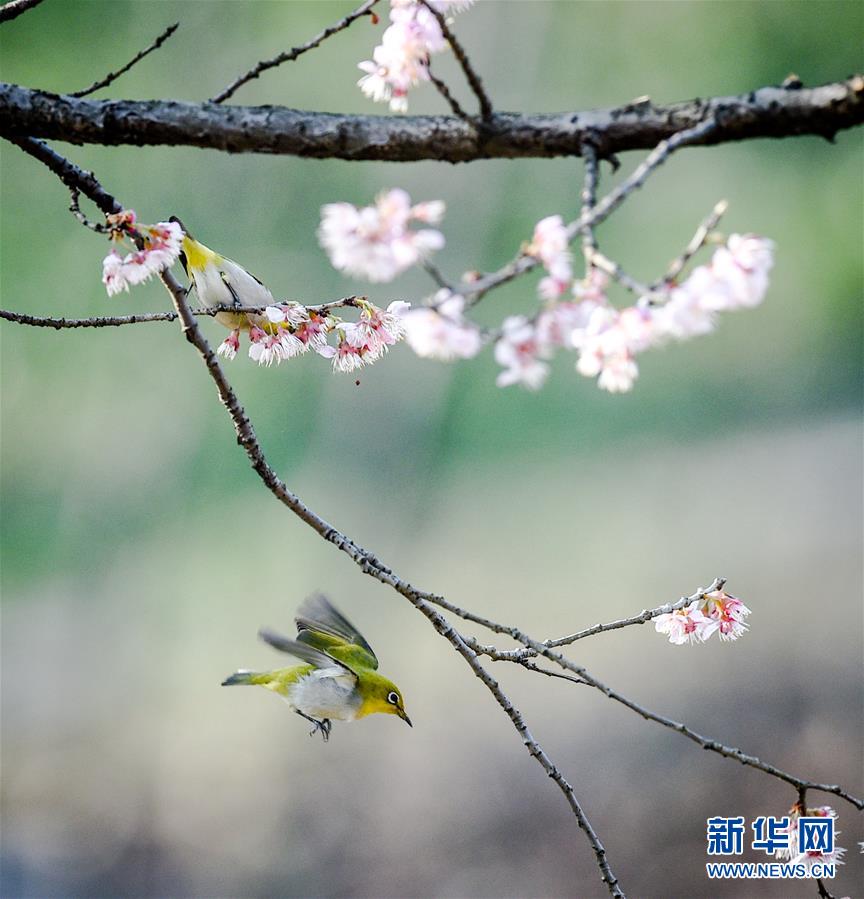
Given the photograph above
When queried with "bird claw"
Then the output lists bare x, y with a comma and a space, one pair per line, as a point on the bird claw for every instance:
324, 726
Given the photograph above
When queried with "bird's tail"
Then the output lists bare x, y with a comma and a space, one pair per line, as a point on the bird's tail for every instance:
246, 677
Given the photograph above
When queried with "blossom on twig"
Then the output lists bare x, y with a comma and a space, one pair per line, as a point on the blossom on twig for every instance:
401, 60
157, 247
375, 242
715, 612
810, 857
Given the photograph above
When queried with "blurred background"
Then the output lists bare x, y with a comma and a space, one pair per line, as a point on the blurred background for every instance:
141, 553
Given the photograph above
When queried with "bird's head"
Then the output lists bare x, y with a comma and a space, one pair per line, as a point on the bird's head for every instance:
380, 695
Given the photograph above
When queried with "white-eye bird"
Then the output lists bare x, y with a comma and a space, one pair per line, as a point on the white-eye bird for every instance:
220, 281
338, 679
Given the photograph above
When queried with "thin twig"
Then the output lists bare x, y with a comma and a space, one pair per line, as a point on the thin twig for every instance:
113, 321
589, 198
445, 93
703, 232
15, 8
292, 54
614, 270
75, 209
476, 290
436, 275
113, 76
705, 742
462, 57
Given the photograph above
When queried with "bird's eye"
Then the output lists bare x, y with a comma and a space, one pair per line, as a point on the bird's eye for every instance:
393, 698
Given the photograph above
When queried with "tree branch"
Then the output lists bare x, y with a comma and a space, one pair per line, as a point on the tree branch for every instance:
292, 54
767, 112
705, 742
370, 565
15, 8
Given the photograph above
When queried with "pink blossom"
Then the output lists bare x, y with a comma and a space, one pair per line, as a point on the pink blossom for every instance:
557, 323
401, 60
229, 346
812, 857
592, 287
352, 351
727, 614
551, 245
736, 277
161, 249
375, 242
441, 332
313, 332
518, 351
715, 612
685, 625
381, 329
608, 343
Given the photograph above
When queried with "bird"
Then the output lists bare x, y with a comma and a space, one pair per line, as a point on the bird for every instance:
338, 679
220, 281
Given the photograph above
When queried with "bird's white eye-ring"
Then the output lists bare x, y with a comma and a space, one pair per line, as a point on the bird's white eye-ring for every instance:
393, 698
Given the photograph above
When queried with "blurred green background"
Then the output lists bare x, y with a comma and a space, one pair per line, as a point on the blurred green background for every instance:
141, 554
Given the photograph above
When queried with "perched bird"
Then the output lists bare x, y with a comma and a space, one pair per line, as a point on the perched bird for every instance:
338, 679
219, 281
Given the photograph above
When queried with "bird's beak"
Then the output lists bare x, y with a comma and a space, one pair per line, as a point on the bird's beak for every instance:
404, 717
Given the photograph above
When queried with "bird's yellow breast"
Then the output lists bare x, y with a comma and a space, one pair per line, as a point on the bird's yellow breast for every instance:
197, 255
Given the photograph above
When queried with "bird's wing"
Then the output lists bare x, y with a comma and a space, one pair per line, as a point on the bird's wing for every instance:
324, 663
321, 626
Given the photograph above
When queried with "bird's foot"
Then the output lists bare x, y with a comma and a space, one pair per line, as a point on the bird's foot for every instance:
324, 726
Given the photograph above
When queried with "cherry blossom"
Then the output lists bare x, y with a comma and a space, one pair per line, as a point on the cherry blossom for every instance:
375, 242
551, 245
727, 614
519, 352
229, 346
812, 857
160, 249
440, 331
715, 612
401, 60
685, 625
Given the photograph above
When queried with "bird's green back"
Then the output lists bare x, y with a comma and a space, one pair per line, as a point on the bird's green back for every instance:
322, 627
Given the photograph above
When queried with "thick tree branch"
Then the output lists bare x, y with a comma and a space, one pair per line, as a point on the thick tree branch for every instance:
767, 112
15, 8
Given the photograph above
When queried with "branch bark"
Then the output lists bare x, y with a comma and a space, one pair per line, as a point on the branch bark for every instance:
768, 112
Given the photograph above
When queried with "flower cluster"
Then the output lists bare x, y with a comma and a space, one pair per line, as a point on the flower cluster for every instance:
812, 857
287, 330
375, 242
401, 60
608, 339
715, 612
366, 340
440, 331
156, 247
